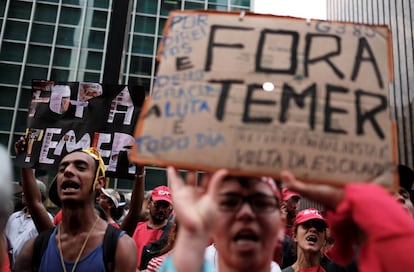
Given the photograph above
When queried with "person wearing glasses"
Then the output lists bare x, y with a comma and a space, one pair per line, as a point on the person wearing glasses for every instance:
150, 236
242, 215
309, 233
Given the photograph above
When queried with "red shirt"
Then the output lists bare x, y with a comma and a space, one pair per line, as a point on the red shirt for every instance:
156, 262
388, 227
116, 225
144, 235
6, 263
58, 218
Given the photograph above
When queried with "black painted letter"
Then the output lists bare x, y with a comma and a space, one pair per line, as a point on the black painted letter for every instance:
289, 93
362, 45
212, 43
221, 105
249, 100
329, 111
326, 57
293, 51
364, 115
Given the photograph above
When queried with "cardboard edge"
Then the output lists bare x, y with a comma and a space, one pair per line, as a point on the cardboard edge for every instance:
390, 55
139, 126
394, 137
234, 172
243, 13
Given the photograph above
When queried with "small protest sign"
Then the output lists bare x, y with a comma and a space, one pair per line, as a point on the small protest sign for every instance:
258, 94
66, 116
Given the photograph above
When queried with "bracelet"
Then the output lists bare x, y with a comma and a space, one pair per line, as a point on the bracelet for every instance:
140, 175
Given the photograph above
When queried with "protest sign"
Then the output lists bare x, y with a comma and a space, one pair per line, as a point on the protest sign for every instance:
66, 116
258, 94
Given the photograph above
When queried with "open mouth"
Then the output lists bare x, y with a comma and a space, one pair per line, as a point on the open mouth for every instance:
312, 238
70, 186
246, 236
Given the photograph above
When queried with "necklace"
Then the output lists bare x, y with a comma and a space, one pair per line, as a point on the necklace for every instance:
81, 250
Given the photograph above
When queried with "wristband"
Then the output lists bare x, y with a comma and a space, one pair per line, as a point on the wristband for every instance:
140, 175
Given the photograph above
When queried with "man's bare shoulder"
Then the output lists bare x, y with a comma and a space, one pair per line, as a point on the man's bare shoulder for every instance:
126, 254
127, 241
24, 259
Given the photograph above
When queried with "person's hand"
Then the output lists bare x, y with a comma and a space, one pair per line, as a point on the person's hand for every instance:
195, 206
327, 195
20, 145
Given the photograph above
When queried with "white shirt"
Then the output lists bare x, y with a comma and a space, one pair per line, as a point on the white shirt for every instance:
211, 255
19, 230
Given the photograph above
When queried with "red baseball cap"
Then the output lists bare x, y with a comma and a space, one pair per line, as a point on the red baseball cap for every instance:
162, 193
309, 214
288, 194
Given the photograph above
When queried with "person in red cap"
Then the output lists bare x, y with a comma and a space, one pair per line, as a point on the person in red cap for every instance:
149, 234
309, 233
290, 208
363, 215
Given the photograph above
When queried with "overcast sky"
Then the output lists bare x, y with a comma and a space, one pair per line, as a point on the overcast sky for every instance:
298, 8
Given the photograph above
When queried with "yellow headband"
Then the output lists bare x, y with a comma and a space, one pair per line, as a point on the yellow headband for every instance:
94, 153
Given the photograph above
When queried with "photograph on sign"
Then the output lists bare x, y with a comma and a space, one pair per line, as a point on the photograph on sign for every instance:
66, 116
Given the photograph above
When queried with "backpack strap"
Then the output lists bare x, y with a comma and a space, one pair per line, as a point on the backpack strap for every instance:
167, 228
110, 242
155, 248
39, 247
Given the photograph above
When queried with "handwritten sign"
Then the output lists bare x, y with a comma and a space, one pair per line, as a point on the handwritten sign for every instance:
258, 94
66, 116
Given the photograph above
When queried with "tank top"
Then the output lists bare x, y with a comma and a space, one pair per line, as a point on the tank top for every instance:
92, 262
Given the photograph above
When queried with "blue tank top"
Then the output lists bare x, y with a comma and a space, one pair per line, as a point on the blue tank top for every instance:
92, 262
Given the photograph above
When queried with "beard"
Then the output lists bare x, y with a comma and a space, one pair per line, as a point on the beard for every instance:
158, 218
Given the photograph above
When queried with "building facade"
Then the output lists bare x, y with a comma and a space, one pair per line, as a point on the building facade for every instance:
106, 41
399, 17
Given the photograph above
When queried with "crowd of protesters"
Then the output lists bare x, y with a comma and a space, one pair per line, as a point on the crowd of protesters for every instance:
223, 223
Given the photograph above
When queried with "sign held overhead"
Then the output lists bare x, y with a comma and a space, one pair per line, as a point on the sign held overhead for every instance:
67, 116
259, 94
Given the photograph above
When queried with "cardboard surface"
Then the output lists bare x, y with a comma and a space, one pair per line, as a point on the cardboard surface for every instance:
327, 118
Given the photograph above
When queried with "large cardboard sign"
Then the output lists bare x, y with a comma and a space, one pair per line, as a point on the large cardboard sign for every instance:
258, 94
66, 116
